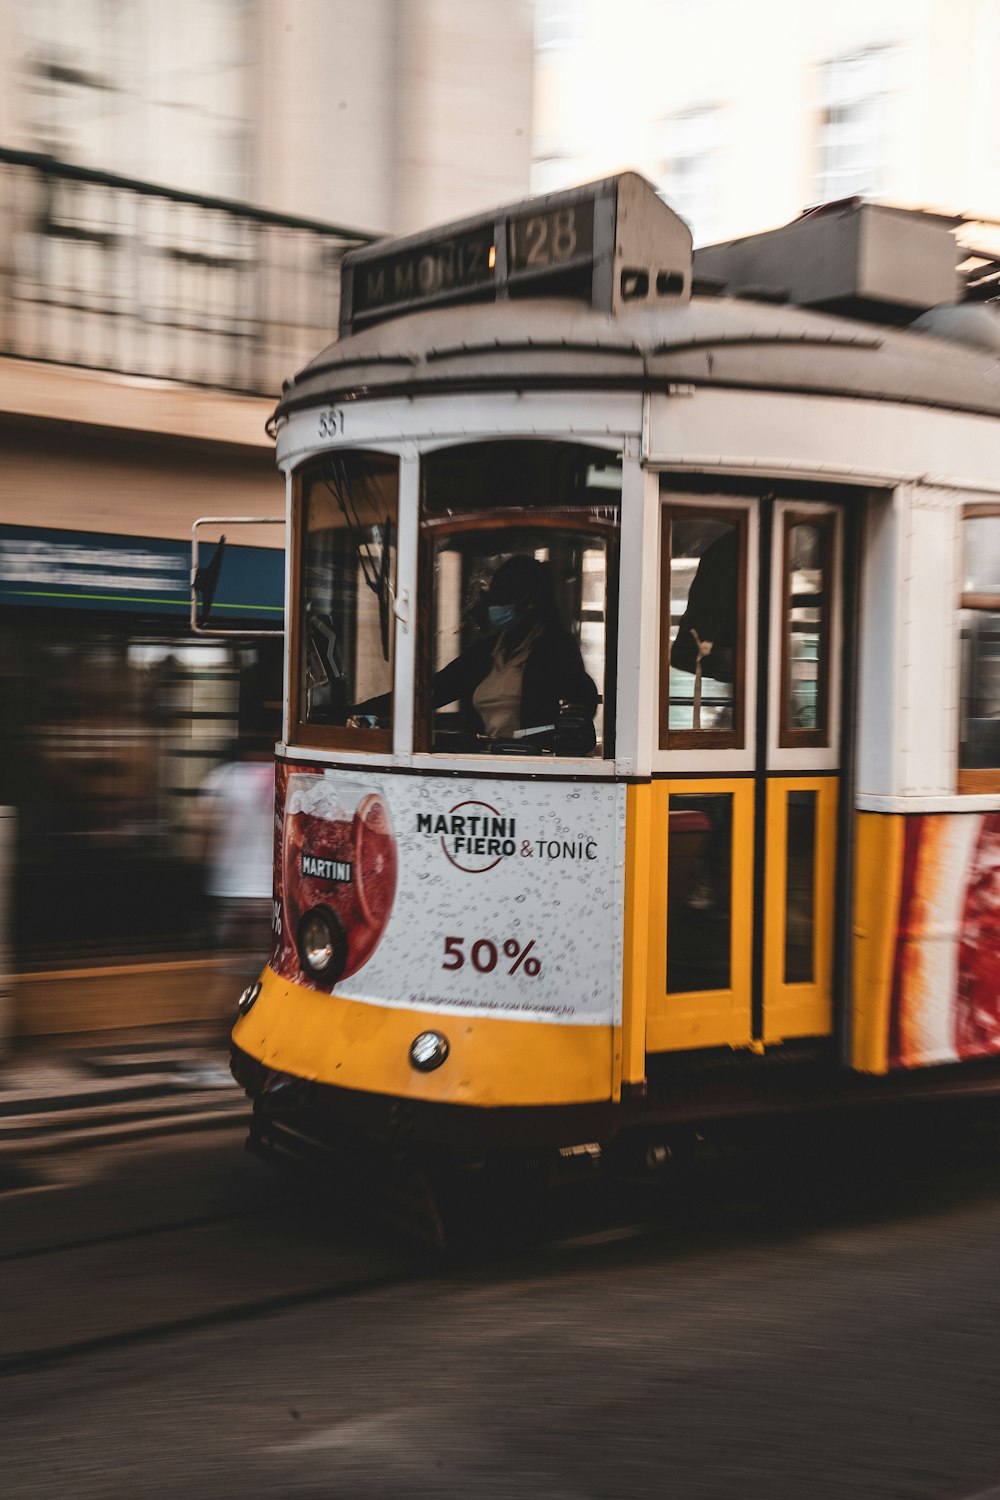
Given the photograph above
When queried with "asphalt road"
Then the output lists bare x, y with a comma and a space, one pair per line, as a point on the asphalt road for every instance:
178, 1320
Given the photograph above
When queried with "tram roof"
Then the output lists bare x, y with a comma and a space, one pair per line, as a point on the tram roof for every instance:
465, 307
709, 341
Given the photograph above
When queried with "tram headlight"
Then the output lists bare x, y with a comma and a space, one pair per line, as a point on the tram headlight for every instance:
322, 944
428, 1051
248, 999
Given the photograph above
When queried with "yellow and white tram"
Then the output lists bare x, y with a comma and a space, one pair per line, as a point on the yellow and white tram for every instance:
754, 502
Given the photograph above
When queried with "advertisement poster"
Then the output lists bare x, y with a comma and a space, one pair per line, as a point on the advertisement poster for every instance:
469, 897
946, 987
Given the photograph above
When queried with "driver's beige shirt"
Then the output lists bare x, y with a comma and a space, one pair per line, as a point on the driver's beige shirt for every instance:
497, 699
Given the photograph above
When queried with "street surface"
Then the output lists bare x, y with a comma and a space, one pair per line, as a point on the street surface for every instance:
180, 1320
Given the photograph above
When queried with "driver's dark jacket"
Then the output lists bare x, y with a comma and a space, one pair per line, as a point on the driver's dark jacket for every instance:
554, 670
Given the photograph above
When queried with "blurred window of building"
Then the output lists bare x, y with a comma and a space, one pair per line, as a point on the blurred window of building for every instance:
855, 99
158, 92
691, 170
110, 726
558, 23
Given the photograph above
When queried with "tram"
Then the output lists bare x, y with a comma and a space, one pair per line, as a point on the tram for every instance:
641, 754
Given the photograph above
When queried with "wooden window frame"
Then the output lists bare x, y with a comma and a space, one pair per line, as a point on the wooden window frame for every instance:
790, 738
575, 519
983, 780
325, 736
704, 739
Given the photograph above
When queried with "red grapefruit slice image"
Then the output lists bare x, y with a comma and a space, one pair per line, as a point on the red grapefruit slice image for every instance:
977, 1003
375, 861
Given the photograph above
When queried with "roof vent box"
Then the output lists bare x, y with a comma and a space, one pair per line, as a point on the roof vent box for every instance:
858, 257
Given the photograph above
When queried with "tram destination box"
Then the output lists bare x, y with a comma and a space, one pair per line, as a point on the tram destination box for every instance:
607, 244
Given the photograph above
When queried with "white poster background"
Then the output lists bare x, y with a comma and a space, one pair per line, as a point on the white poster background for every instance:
561, 891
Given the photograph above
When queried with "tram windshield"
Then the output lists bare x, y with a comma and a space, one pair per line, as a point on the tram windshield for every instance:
520, 548
346, 580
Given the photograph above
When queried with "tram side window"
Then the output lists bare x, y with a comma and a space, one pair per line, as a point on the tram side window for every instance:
519, 557
979, 732
346, 576
805, 652
702, 627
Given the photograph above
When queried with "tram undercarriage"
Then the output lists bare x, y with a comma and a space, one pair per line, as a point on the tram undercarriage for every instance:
437, 1174
680, 1094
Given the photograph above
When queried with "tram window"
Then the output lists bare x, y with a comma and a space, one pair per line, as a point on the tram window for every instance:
701, 629
979, 617
520, 548
800, 887
805, 656
699, 891
346, 574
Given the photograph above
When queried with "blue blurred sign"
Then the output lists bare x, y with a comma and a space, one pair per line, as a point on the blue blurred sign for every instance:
143, 575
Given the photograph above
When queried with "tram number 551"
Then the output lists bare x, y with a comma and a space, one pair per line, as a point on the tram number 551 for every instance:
331, 423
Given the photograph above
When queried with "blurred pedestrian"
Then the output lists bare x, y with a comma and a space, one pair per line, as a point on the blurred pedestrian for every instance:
238, 799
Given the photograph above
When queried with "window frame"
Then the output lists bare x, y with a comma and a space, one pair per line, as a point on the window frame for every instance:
703, 739
431, 526
975, 779
818, 738
331, 736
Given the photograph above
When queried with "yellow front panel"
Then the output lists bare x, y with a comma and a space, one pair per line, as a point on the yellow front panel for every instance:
799, 1009
356, 1045
706, 1018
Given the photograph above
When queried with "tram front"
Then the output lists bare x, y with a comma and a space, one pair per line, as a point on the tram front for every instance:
463, 697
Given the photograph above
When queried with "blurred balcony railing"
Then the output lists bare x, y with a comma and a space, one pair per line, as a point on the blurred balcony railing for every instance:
107, 273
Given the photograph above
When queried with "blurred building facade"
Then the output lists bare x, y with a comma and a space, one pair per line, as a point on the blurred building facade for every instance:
744, 114
178, 184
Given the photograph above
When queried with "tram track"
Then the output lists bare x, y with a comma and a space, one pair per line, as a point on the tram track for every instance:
419, 1269
365, 1380
79, 1297
118, 1236
22, 1362
112, 1285
399, 1267
75, 1298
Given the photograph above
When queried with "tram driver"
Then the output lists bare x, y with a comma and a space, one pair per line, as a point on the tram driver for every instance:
523, 682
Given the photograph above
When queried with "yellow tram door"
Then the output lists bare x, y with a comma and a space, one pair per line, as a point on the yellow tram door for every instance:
742, 810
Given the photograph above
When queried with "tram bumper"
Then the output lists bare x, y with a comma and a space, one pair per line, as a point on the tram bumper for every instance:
293, 1031
323, 1112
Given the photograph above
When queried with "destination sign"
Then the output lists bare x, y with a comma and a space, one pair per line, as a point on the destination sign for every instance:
603, 244
425, 272
544, 240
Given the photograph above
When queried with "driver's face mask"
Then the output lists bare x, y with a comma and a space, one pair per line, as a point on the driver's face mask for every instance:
501, 615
